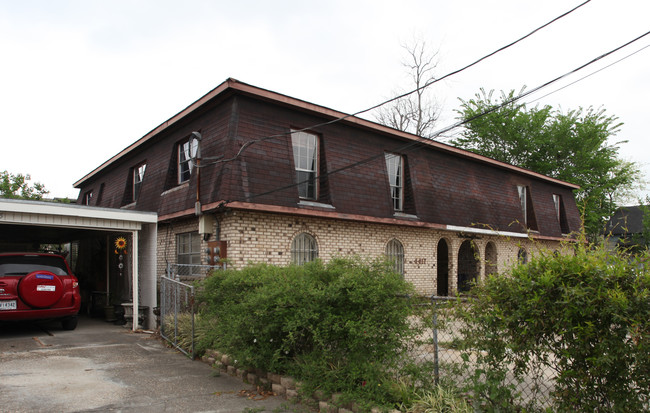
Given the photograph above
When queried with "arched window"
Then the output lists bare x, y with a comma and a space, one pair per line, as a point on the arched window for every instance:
522, 256
303, 249
395, 252
490, 258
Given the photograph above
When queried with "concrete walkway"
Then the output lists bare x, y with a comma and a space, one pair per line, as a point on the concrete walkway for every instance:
100, 367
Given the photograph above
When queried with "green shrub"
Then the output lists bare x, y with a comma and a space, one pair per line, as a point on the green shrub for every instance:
338, 327
586, 317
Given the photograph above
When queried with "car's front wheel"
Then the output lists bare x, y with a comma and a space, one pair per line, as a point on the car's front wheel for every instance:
69, 323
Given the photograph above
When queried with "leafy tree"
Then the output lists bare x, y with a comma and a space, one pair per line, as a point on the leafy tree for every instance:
17, 186
572, 146
416, 113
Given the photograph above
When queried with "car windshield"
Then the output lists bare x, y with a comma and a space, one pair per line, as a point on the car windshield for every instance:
12, 265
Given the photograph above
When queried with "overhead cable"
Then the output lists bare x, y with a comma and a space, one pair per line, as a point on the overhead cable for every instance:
248, 143
421, 141
590, 74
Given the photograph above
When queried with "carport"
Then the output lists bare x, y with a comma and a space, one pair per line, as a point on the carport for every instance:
112, 251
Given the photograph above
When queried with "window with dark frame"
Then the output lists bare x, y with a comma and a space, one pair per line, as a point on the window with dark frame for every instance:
304, 249
186, 151
138, 177
395, 169
305, 158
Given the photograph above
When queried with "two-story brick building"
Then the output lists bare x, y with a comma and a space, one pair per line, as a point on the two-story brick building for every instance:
270, 178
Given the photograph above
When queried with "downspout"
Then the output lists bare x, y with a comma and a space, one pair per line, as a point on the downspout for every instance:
196, 136
108, 270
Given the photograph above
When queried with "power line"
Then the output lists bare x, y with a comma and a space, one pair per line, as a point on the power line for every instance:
433, 81
420, 141
590, 74
580, 79
473, 63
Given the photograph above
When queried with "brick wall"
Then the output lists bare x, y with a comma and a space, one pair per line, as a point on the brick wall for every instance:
255, 237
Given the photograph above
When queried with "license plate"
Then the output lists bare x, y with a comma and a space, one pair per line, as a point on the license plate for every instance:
8, 305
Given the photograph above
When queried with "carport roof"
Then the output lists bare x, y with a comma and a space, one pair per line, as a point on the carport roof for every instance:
52, 214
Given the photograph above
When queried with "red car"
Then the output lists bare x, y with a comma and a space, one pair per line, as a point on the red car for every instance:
36, 286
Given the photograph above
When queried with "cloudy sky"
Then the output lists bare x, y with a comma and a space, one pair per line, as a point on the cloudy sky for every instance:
81, 80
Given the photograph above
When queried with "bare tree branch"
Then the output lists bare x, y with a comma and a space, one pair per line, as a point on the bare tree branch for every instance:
416, 113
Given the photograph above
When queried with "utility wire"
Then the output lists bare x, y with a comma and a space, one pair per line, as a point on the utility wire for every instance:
524, 94
421, 141
590, 74
431, 82
472, 64
576, 81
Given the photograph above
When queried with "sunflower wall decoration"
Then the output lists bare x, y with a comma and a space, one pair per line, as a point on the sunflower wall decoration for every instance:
120, 245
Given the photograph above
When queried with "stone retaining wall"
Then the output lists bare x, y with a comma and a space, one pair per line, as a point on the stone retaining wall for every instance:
283, 386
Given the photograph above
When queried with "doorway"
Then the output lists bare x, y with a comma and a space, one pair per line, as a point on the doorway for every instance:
442, 284
467, 266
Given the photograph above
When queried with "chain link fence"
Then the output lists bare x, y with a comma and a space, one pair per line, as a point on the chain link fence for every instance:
191, 272
177, 304
439, 348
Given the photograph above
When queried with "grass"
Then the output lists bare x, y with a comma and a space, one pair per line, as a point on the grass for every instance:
440, 400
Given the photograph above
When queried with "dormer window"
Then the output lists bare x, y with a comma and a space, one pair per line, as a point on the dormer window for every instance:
87, 198
395, 169
526, 203
305, 158
138, 177
186, 152
560, 214
522, 201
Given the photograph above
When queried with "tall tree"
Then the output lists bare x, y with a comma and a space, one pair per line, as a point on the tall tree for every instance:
416, 113
573, 146
17, 186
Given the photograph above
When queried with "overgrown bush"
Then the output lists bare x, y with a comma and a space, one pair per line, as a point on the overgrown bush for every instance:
585, 317
338, 327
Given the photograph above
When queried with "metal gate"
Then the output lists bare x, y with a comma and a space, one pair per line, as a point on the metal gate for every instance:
177, 307
177, 314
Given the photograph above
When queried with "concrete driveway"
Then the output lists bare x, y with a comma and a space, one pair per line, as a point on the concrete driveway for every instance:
101, 367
